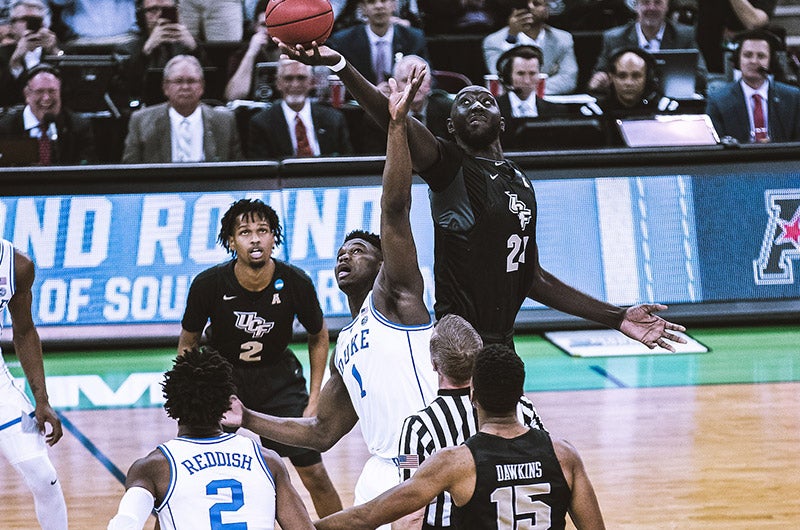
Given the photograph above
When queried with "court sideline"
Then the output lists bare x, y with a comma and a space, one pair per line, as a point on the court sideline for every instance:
670, 441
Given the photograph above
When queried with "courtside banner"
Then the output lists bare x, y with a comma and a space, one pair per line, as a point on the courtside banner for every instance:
125, 260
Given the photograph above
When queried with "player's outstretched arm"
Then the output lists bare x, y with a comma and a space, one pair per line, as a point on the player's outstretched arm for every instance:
423, 145
290, 511
28, 346
318, 344
335, 418
399, 287
452, 469
584, 508
637, 322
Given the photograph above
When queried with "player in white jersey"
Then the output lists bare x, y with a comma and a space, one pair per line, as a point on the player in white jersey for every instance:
206, 479
381, 371
23, 437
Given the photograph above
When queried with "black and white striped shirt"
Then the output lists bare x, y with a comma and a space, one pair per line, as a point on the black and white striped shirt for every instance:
447, 421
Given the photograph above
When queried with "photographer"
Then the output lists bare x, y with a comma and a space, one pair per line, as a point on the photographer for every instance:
32, 41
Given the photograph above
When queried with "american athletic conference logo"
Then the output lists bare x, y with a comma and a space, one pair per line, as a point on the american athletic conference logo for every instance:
781, 244
253, 324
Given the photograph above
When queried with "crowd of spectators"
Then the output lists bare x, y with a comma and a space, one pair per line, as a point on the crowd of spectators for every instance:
201, 80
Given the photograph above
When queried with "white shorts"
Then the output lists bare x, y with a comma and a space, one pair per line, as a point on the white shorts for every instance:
378, 475
20, 439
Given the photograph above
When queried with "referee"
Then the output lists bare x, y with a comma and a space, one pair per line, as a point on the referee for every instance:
450, 419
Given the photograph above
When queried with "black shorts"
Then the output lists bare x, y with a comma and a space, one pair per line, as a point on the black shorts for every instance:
277, 388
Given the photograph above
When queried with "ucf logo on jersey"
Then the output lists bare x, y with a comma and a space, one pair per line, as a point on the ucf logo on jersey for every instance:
253, 324
519, 208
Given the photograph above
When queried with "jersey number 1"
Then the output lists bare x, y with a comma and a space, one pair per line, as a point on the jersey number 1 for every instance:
516, 251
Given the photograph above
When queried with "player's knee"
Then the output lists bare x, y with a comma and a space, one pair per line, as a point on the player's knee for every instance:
39, 475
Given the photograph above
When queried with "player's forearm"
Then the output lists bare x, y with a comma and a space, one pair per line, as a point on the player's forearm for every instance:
318, 345
367, 95
28, 348
396, 196
554, 293
299, 432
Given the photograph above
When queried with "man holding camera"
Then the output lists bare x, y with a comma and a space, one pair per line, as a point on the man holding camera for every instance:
32, 41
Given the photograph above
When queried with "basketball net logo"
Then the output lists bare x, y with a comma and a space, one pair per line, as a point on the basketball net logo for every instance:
519, 208
251, 323
781, 244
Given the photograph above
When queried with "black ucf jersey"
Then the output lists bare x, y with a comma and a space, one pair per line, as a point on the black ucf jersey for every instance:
485, 252
247, 326
519, 484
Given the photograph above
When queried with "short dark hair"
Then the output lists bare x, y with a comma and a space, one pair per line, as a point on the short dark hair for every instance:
250, 209
369, 237
198, 388
453, 348
498, 378
504, 64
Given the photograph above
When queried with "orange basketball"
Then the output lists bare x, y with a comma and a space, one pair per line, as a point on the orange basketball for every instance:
299, 21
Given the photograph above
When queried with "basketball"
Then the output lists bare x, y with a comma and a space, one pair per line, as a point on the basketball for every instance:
299, 21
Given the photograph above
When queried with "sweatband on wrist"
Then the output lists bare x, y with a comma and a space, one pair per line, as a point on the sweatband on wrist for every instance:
338, 67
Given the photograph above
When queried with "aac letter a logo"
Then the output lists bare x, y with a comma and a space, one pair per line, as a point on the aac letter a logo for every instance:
781, 243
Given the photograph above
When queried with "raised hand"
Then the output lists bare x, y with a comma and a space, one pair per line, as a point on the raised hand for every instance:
317, 55
400, 100
651, 330
233, 418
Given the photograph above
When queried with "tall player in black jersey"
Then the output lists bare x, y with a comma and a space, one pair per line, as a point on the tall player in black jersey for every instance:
252, 301
505, 477
486, 260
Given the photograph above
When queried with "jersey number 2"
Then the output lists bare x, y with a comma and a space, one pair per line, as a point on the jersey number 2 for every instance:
516, 504
251, 351
516, 251
237, 501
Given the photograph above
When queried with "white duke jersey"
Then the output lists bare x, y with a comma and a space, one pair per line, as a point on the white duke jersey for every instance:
220, 482
387, 370
7, 285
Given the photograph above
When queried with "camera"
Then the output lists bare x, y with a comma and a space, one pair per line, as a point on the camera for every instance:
33, 24
170, 13
519, 4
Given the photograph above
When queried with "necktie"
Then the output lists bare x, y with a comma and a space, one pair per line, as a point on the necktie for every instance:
759, 127
380, 62
303, 147
184, 141
45, 147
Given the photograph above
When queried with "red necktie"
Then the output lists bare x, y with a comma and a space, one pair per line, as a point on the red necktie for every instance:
759, 127
303, 147
45, 148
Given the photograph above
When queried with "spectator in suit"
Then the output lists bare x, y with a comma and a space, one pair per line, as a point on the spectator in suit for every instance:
294, 126
348, 13
755, 108
430, 106
528, 26
162, 39
373, 47
258, 49
651, 31
718, 22
32, 40
518, 69
634, 92
65, 138
183, 129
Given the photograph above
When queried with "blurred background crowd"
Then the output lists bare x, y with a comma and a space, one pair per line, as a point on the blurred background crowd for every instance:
149, 81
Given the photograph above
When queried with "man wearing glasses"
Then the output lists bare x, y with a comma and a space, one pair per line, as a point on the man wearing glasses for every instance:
183, 129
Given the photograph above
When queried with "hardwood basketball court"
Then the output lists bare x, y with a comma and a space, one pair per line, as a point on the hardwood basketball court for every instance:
691, 441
